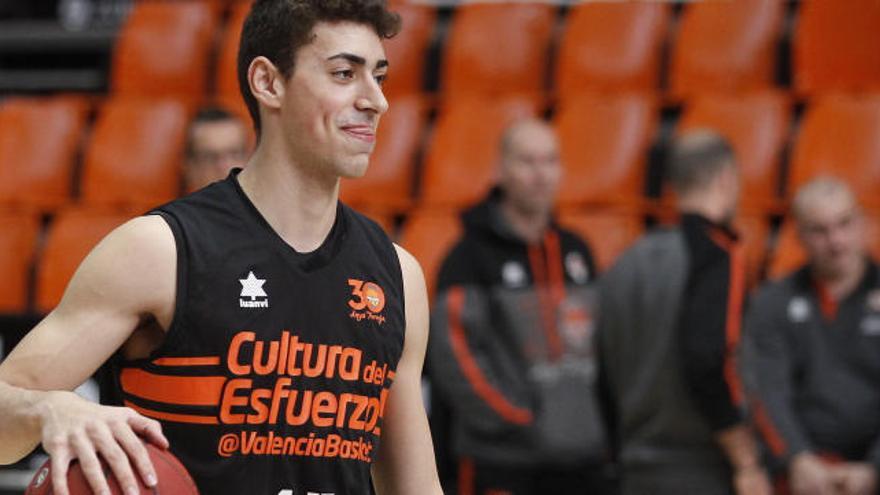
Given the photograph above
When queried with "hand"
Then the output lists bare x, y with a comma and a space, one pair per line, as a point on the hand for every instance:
810, 476
855, 478
751, 480
73, 428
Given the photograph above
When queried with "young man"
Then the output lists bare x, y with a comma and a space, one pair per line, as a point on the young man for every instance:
268, 333
669, 322
511, 342
216, 142
814, 351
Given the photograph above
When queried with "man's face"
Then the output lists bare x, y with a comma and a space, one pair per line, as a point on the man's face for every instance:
215, 148
832, 234
530, 168
333, 99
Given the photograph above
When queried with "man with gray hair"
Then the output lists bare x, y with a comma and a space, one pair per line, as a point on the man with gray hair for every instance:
813, 346
669, 324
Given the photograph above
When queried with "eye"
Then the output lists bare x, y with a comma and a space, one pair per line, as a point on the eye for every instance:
381, 78
344, 74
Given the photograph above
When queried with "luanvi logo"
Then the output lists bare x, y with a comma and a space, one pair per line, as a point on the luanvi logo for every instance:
252, 293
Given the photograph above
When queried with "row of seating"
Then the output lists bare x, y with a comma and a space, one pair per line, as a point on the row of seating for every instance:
131, 156
45, 260
499, 48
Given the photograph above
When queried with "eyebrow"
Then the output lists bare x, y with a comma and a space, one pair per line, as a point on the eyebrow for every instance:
357, 59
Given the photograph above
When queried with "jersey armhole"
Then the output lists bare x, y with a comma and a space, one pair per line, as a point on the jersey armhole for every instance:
172, 333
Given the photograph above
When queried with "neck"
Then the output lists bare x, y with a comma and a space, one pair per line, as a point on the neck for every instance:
842, 284
527, 225
707, 206
297, 201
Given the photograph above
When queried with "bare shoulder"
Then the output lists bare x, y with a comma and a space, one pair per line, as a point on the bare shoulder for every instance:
413, 277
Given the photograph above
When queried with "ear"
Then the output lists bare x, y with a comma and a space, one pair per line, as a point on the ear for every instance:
266, 82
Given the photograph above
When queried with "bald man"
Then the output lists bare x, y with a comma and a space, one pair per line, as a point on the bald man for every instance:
511, 349
669, 316
814, 347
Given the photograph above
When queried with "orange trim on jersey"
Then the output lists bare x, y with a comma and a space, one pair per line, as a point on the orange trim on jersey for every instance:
466, 476
471, 370
182, 390
547, 307
827, 304
174, 417
734, 322
187, 361
554, 264
391, 374
766, 428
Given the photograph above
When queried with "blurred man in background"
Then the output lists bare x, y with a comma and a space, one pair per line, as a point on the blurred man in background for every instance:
669, 321
814, 351
511, 348
216, 143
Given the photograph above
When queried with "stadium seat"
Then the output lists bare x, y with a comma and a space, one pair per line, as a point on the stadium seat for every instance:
428, 236
839, 136
462, 154
754, 231
18, 236
497, 48
605, 140
612, 46
39, 141
226, 78
835, 46
726, 46
608, 232
407, 52
757, 126
71, 236
390, 175
134, 154
163, 49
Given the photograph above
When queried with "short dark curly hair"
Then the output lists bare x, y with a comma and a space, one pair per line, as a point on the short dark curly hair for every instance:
276, 29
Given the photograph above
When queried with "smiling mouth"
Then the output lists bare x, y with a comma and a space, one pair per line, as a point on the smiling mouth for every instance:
362, 133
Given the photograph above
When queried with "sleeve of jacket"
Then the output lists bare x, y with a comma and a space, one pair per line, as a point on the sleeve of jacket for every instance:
708, 345
485, 385
769, 370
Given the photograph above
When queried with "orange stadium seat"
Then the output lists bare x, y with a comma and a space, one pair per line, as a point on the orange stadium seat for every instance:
407, 52
389, 178
497, 48
725, 46
605, 140
608, 232
428, 236
134, 154
39, 140
612, 46
164, 49
839, 136
18, 236
835, 46
226, 78
71, 236
462, 155
757, 125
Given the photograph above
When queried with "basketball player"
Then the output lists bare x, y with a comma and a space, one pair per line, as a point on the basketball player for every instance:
265, 331
216, 142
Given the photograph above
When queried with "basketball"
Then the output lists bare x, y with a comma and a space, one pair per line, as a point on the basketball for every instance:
173, 477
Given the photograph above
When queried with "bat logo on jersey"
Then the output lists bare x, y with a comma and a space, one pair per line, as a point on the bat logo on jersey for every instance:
367, 301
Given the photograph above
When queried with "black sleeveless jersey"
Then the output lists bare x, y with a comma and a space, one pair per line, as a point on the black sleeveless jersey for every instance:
274, 375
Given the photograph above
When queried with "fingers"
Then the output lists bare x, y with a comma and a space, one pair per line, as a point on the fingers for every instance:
136, 451
84, 450
60, 461
106, 443
149, 429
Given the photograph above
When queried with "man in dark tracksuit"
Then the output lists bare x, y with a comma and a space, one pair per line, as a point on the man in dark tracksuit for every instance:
511, 347
669, 327
814, 351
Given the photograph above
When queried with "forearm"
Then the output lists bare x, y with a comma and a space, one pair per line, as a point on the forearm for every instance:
739, 446
20, 427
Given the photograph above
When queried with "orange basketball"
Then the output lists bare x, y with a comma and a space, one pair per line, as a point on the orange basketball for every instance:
173, 477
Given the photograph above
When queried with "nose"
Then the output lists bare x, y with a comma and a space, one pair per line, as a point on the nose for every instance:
372, 98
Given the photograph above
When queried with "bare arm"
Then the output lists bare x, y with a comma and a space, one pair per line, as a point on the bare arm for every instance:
127, 279
405, 463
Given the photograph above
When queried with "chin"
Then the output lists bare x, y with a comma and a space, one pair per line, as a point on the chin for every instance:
353, 169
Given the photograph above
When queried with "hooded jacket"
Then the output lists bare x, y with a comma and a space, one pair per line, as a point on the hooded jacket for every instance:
511, 345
